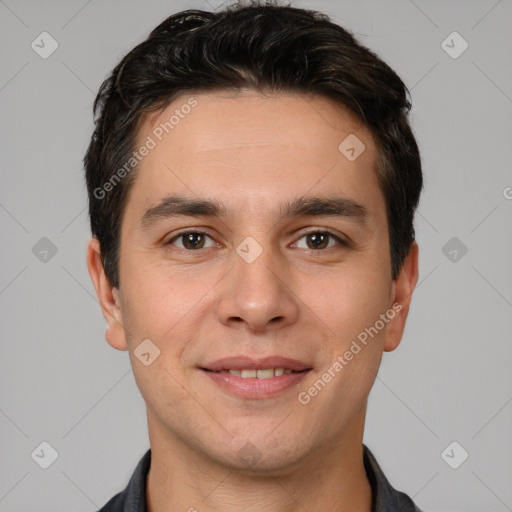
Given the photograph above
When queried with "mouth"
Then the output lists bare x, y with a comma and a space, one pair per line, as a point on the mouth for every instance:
265, 373
255, 379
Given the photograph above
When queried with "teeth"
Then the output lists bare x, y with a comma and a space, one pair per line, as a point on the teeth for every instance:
265, 374
268, 373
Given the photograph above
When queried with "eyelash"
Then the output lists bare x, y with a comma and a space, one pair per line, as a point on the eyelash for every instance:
313, 232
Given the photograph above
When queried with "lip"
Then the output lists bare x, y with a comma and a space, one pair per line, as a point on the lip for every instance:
247, 363
254, 388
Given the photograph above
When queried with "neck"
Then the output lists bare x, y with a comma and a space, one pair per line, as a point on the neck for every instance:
329, 479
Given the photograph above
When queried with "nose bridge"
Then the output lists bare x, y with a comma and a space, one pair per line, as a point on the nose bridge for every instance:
255, 292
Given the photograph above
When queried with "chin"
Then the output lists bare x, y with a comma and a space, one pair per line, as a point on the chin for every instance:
261, 455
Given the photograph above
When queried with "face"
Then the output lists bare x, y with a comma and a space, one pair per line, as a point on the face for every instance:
289, 261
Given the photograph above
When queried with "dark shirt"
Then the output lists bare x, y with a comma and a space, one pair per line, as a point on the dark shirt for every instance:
384, 497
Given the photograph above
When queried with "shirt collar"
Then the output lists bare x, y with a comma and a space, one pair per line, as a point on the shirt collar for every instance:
384, 497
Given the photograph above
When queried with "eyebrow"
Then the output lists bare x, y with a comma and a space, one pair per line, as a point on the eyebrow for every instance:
309, 206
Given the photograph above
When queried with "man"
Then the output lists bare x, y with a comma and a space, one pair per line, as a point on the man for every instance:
252, 181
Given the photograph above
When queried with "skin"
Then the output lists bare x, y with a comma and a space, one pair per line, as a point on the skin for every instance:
253, 152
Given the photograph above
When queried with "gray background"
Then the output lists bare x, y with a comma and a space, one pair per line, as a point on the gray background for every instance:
450, 380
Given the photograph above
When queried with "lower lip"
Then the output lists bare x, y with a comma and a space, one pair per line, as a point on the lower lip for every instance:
254, 387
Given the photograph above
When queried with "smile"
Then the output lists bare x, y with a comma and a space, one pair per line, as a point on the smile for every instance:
258, 374
255, 384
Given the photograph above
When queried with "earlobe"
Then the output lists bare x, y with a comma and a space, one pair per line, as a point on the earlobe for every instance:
403, 287
108, 297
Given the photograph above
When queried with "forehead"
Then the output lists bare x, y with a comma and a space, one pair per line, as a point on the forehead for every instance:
228, 120
247, 145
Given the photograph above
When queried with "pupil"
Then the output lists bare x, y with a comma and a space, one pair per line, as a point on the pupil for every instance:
317, 239
191, 237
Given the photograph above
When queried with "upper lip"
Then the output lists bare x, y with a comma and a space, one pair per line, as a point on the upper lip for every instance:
247, 363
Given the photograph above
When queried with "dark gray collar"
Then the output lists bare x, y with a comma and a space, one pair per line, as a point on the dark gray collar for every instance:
384, 497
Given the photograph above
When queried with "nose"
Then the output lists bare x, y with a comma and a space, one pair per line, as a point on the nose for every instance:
258, 295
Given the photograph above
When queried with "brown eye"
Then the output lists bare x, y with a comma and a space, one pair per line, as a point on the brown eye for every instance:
191, 240
319, 240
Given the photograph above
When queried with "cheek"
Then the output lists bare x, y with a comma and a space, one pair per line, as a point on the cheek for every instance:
153, 305
166, 306
353, 298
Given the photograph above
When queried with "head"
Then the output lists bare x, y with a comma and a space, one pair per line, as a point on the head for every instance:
282, 147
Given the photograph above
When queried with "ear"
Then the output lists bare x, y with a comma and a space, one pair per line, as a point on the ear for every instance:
401, 295
108, 297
